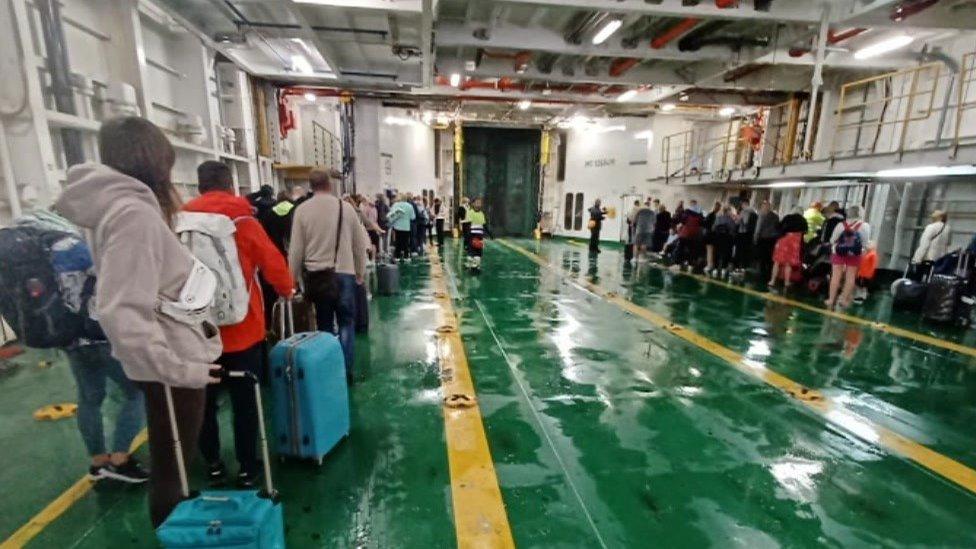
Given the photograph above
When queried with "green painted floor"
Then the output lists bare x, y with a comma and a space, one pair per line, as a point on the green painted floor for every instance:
604, 432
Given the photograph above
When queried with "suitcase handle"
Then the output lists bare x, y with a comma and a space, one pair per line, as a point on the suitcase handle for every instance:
287, 317
269, 490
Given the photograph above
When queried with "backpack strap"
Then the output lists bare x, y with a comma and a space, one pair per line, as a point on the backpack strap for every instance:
342, 206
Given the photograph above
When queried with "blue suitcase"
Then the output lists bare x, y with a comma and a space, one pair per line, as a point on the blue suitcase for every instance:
228, 518
311, 397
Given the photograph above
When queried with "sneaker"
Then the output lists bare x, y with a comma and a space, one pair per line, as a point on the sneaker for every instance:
216, 473
247, 481
129, 472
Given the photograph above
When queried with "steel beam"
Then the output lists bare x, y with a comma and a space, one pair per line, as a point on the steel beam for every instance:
783, 11
325, 50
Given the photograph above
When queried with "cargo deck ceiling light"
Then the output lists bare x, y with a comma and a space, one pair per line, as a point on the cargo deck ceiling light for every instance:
524, 104
667, 107
299, 63
627, 95
929, 171
727, 111
608, 29
309, 96
786, 184
884, 46
455, 79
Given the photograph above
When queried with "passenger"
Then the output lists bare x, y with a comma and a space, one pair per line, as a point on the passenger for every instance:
935, 239
848, 243
662, 226
788, 253
745, 231
92, 365
263, 200
439, 218
328, 252
462, 220
767, 233
243, 342
722, 236
597, 214
644, 222
689, 235
400, 216
834, 216
708, 227
382, 210
866, 273
128, 202
630, 221
367, 212
479, 230
417, 227
679, 211
815, 220
428, 212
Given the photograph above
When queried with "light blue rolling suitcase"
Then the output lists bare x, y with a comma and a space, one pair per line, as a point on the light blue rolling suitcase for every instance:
311, 397
245, 519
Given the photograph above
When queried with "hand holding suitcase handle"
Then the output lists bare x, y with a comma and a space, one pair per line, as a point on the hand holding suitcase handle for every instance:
269, 490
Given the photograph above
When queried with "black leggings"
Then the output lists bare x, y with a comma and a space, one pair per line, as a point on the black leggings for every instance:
244, 406
401, 243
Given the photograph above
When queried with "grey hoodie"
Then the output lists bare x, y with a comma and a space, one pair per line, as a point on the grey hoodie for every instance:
139, 261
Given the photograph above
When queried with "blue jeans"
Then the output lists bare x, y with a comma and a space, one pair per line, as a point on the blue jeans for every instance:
342, 312
92, 365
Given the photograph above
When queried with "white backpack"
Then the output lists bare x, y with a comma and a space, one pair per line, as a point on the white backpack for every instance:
210, 237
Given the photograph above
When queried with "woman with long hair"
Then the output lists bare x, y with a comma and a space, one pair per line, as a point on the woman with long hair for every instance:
848, 241
128, 203
788, 251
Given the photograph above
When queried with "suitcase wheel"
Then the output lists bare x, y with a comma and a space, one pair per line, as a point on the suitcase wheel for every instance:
318, 461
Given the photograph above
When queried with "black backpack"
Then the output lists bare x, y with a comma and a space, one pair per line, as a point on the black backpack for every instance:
46, 285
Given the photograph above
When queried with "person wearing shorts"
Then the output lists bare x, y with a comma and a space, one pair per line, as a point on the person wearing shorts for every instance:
845, 265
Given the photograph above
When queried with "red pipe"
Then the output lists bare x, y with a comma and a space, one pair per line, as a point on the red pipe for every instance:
832, 38
622, 65
674, 31
726, 4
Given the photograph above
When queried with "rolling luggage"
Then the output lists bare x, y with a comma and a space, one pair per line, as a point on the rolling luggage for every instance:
387, 275
304, 319
909, 292
225, 518
362, 309
943, 298
311, 396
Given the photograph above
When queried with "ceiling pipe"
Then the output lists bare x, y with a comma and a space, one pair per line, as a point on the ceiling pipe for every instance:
726, 4
623, 64
832, 38
694, 39
674, 32
910, 8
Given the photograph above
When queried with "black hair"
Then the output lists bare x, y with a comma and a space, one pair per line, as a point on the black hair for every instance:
214, 176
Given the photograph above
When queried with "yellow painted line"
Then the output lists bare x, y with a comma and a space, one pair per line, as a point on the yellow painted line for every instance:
480, 519
56, 508
834, 412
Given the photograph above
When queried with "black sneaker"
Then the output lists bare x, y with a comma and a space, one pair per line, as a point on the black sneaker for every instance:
216, 473
129, 472
247, 481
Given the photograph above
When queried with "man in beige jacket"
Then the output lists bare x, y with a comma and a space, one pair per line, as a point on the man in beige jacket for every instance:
327, 254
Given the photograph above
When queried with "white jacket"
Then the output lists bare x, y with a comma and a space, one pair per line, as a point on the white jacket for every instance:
934, 243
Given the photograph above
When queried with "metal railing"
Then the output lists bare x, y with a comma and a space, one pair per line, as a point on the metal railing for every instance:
967, 76
326, 148
786, 128
867, 106
701, 151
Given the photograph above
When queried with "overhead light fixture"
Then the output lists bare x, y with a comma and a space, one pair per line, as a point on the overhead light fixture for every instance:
443, 120
299, 63
668, 107
428, 117
683, 97
884, 46
627, 95
608, 129
786, 184
547, 90
524, 104
928, 171
309, 96
646, 134
727, 111
456, 79
608, 29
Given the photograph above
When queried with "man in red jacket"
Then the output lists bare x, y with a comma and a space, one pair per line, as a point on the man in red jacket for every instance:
243, 342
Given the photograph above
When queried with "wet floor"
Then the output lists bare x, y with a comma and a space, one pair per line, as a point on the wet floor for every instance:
605, 430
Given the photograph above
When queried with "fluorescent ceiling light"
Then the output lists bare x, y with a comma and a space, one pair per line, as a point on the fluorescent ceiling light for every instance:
309, 96
428, 117
786, 184
727, 111
455, 79
608, 29
299, 63
399, 121
884, 46
608, 129
443, 120
667, 107
627, 95
646, 134
929, 171
524, 104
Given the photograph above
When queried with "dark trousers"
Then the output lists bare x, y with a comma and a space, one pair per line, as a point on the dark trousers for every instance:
242, 403
401, 243
595, 239
660, 238
723, 250
764, 256
743, 251
466, 234
164, 483
439, 226
338, 316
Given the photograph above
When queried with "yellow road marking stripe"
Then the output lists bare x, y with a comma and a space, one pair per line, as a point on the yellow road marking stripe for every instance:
873, 324
834, 412
480, 518
56, 508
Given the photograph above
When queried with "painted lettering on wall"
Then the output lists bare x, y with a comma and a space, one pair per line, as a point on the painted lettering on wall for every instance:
599, 163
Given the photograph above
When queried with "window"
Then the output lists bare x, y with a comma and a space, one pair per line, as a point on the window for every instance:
578, 213
568, 213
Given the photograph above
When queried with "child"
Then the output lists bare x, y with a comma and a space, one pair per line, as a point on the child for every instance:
865, 273
477, 231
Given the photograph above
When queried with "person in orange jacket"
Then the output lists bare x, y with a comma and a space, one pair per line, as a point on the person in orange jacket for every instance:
865, 273
243, 342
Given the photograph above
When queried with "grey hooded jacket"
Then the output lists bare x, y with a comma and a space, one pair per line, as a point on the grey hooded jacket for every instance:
139, 261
